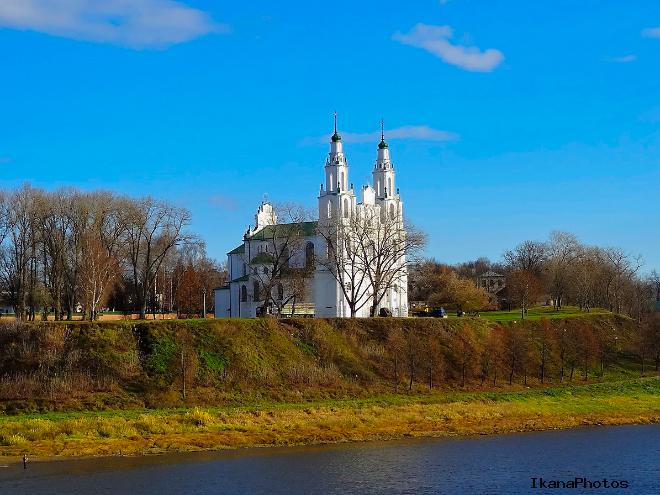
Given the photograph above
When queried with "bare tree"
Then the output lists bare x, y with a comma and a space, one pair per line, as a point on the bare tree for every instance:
619, 268
345, 263
369, 254
17, 257
101, 243
153, 229
528, 256
563, 251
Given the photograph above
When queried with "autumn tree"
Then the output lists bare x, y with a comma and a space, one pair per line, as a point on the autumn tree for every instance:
396, 344
524, 289
492, 354
543, 340
189, 292
516, 349
650, 338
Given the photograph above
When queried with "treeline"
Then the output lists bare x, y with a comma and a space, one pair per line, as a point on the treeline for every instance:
561, 271
524, 352
68, 250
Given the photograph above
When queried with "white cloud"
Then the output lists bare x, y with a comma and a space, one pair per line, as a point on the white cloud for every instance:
624, 59
409, 132
132, 23
435, 40
653, 32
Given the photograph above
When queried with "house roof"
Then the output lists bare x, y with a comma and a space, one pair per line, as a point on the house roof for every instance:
238, 250
244, 278
283, 229
491, 273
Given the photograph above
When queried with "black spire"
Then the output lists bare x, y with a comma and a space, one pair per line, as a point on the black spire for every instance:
382, 143
336, 137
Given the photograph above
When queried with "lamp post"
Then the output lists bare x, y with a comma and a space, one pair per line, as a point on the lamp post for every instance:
616, 348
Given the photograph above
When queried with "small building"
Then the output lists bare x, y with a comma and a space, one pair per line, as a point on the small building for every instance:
491, 282
495, 285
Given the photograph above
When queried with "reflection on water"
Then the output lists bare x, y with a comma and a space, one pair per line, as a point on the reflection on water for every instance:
498, 465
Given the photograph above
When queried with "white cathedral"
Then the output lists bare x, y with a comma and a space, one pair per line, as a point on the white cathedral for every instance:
248, 263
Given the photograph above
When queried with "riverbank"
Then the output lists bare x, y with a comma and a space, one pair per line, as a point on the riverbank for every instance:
138, 432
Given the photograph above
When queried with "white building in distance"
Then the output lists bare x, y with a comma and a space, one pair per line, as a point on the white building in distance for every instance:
320, 294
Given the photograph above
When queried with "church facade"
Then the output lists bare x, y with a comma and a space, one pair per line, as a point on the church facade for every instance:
324, 293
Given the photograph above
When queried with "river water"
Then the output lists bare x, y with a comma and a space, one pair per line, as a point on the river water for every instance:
473, 465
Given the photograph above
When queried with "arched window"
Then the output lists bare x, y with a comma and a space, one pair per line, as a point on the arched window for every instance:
331, 186
389, 184
329, 210
341, 181
392, 212
378, 188
265, 270
309, 254
346, 211
255, 291
243, 293
280, 292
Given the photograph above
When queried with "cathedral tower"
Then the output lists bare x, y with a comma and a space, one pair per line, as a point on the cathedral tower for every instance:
387, 196
336, 199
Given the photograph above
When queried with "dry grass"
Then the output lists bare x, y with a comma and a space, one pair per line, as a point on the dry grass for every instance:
386, 417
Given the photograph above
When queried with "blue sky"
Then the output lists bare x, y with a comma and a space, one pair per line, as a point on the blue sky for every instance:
506, 119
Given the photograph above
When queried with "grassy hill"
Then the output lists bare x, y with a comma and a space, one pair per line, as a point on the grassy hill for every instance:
174, 363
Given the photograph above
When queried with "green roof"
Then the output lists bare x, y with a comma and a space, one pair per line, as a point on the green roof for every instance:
244, 278
285, 229
382, 144
238, 250
335, 137
262, 258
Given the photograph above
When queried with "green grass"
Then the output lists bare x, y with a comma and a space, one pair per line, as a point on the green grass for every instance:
540, 312
327, 421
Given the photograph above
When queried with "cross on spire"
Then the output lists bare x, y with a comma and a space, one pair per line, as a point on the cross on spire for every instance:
336, 137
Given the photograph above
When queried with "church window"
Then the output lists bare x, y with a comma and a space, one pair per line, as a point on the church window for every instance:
280, 292
331, 186
243, 293
309, 254
378, 187
329, 210
346, 211
342, 181
392, 212
389, 184
255, 291
265, 270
